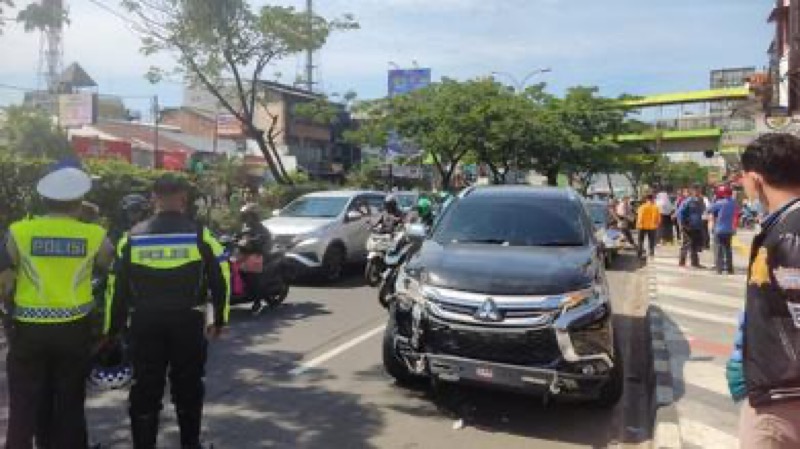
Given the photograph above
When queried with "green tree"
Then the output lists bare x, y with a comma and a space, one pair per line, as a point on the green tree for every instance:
32, 133
225, 46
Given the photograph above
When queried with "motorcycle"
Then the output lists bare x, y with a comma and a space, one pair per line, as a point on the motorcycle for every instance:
256, 279
378, 244
394, 260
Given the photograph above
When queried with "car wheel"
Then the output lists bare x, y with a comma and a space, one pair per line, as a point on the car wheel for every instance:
392, 363
612, 391
333, 263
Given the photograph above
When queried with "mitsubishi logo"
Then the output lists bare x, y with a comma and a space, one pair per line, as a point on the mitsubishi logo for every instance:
488, 311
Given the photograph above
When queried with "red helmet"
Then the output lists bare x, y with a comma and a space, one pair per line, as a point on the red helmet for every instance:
724, 191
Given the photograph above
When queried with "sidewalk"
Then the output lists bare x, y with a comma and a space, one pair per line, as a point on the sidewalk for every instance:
699, 310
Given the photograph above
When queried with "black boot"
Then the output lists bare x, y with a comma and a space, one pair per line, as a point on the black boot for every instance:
189, 423
145, 431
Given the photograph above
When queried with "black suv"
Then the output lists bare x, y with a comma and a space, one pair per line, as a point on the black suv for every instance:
508, 291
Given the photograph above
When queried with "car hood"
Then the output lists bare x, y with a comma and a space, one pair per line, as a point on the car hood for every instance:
296, 225
499, 270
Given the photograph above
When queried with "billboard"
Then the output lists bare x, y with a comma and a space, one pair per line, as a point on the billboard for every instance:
229, 126
77, 110
403, 81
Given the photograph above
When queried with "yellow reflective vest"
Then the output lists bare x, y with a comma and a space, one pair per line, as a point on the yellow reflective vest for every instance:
54, 270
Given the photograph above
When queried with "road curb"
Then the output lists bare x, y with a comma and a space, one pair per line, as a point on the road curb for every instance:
666, 433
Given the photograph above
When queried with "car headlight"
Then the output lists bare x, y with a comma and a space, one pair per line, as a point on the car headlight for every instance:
409, 284
309, 238
596, 294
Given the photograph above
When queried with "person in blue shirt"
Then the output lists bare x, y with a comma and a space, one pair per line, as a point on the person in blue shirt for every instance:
723, 213
690, 216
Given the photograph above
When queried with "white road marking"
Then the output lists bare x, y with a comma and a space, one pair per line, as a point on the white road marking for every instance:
705, 436
702, 297
667, 436
707, 375
324, 357
698, 315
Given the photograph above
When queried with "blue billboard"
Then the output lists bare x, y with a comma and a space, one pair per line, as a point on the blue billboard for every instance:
403, 81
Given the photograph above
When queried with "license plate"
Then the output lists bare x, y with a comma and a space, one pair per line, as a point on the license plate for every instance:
484, 372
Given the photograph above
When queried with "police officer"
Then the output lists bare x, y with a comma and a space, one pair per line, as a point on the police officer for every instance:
166, 266
49, 262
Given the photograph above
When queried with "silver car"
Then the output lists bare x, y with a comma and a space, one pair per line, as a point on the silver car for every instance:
323, 231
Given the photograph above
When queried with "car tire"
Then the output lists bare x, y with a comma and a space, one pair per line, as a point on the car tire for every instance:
611, 391
333, 263
391, 362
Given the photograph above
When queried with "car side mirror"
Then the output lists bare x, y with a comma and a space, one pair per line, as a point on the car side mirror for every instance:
276, 212
353, 215
417, 231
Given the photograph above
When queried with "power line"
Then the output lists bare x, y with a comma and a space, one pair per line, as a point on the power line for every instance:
111, 11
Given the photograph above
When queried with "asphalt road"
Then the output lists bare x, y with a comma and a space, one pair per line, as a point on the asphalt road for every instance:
309, 375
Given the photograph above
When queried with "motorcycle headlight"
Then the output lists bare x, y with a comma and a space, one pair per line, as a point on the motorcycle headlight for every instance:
596, 294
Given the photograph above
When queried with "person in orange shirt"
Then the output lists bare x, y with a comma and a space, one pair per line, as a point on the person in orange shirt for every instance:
648, 220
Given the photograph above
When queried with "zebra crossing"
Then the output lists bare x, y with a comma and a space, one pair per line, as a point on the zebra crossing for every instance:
699, 310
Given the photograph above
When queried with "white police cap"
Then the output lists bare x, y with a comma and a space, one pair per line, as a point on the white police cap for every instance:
66, 181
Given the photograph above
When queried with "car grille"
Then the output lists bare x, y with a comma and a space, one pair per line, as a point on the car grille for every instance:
529, 348
462, 307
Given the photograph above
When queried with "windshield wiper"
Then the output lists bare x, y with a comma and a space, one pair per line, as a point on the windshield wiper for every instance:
560, 243
486, 241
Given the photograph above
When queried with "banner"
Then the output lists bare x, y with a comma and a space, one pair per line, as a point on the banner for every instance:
77, 110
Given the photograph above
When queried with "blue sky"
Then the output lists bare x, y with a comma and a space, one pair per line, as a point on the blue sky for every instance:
622, 46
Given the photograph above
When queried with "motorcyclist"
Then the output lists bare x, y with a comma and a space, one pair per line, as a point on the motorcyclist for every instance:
255, 239
391, 217
256, 236
423, 212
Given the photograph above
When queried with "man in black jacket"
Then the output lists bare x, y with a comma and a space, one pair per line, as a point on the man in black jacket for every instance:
166, 267
770, 416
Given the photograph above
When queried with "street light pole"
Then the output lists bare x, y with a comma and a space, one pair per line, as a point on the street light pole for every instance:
519, 87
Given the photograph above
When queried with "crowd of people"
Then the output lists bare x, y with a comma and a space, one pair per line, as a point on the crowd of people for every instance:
690, 217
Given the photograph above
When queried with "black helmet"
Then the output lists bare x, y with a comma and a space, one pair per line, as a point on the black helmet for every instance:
390, 200
250, 211
135, 203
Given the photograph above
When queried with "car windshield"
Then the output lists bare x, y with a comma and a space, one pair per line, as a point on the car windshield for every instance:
406, 201
315, 207
599, 214
511, 221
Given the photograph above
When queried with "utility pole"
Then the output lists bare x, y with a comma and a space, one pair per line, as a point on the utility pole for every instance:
309, 50
155, 131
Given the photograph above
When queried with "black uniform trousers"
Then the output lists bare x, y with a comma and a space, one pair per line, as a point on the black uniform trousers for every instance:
165, 343
48, 364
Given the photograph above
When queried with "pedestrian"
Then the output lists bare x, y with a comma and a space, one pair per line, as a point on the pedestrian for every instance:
666, 209
647, 222
690, 217
723, 222
769, 383
622, 214
166, 266
48, 265
706, 222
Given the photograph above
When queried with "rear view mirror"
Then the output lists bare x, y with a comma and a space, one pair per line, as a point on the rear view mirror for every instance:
353, 215
417, 231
